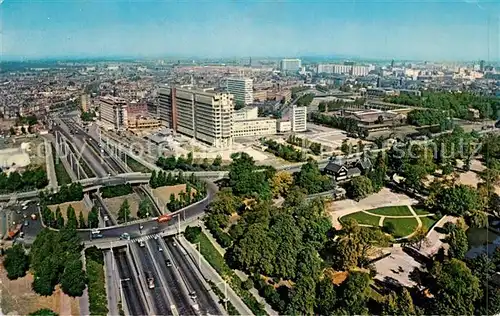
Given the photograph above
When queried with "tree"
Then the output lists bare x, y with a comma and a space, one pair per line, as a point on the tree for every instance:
419, 238
326, 297
459, 244
59, 218
81, 221
44, 312
16, 262
354, 293
281, 183
23, 130
256, 251
352, 247
217, 161
144, 209
378, 173
153, 181
456, 200
71, 221
124, 211
93, 218
12, 131
302, 297
477, 219
310, 178
456, 288
73, 279
244, 180
360, 187
398, 303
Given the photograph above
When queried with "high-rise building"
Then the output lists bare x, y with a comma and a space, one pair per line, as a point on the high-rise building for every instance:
481, 65
299, 118
113, 111
204, 115
241, 89
291, 65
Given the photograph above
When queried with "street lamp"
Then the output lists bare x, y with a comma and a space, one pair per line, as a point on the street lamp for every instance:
225, 292
199, 255
122, 299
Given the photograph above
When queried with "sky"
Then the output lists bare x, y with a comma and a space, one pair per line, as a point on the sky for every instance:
398, 29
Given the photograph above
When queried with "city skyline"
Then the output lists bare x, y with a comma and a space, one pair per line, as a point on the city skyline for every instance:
466, 30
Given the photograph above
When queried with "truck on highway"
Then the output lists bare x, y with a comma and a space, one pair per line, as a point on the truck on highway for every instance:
150, 280
163, 218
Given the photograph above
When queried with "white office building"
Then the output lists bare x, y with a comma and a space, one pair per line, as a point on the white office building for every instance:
241, 89
291, 65
113, 111
299, 118
340, 69
204, 115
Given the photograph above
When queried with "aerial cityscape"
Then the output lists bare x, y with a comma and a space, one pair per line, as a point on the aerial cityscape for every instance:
249, 158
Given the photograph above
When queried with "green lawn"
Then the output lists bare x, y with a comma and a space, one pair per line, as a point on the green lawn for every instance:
400, 210
420, 210
402, 226
137, 166
428, 221
62, 175
363, 218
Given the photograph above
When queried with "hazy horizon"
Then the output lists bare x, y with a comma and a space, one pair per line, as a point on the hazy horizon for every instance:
444, 31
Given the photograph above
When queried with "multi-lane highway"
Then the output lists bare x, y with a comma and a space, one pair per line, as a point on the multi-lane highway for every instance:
192, 278
128, 285
184, 304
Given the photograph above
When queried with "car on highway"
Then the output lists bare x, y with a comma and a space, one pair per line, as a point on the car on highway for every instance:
160, 249
142, 244
125, 236
168, 262
192, 295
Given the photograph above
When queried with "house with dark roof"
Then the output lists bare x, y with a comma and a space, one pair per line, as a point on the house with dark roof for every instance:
342, 170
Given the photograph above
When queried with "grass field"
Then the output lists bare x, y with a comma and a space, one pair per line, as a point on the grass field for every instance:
163, 193
19, 299
79, 206
420, 210
113, 204
402, 226
428, 221
363, 218
400, 210
137, 166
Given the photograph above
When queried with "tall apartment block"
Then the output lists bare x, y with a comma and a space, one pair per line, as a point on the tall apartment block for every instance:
241, 89
204, 115
113, 111
299, 118
292, 65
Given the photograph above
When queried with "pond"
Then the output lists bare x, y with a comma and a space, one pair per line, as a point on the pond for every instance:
481, 240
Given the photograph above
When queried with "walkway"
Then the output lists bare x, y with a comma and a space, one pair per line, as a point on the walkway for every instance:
49, 161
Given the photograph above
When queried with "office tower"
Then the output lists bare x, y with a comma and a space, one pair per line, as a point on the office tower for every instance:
241, 89
113, 111
299, 118
291, 65
392, 63
481, 65
204, 115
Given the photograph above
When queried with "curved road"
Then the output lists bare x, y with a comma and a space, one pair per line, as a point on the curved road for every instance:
152, 226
